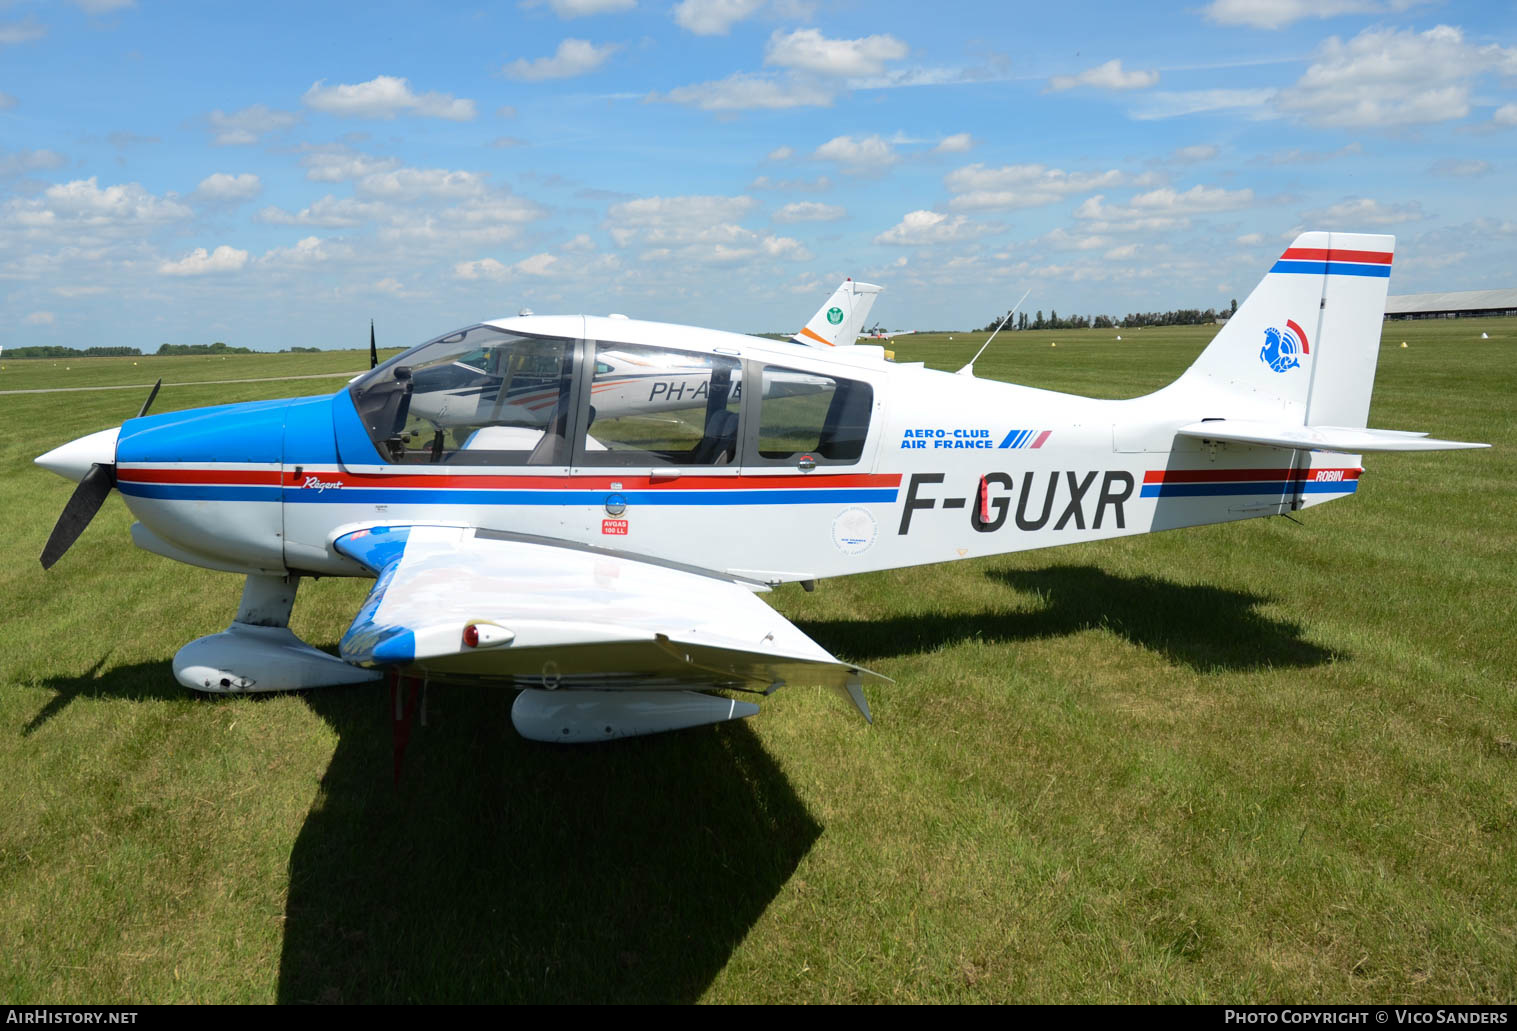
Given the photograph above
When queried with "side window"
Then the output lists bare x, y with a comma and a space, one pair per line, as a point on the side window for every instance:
652, 406
480, 396
806, 413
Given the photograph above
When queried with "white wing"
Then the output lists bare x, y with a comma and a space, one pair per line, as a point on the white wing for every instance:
548, 612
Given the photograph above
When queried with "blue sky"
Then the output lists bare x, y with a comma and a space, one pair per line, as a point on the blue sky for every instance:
276, 175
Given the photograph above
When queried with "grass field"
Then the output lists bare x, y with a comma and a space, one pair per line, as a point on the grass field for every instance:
1267, 761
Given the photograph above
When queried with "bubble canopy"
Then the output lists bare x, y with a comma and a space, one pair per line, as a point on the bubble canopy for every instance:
479, 395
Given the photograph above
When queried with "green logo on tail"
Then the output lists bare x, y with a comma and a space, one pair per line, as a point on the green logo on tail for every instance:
834, 315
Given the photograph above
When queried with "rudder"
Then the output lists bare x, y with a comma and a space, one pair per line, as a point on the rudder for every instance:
1302, 348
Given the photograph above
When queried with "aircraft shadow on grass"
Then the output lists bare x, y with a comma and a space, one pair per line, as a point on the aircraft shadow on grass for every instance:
1209, 629
502, 870
145, 681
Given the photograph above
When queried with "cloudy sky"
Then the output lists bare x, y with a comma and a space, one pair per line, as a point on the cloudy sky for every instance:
277, 174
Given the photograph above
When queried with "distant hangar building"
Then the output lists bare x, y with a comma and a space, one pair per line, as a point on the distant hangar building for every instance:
1464, 304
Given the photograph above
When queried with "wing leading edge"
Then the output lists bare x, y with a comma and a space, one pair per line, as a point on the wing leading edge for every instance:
548, 613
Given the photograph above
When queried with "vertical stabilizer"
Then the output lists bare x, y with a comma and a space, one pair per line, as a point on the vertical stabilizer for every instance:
838, 322
1302, 348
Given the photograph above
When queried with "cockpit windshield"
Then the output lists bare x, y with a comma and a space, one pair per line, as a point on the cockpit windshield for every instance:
480, 396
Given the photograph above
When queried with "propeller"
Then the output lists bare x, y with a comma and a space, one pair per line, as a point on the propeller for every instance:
81, 508
373, 353
152, 395
86, 500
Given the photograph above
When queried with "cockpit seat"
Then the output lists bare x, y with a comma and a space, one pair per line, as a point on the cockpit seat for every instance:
719, 445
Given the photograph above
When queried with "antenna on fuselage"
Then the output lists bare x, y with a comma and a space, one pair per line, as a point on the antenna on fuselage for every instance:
968, 370
373, 351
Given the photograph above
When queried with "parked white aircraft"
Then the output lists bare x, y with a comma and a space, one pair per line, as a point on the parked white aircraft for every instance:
607, 560
840, 319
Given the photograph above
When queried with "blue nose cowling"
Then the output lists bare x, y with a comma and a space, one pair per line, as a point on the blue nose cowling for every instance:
248, 432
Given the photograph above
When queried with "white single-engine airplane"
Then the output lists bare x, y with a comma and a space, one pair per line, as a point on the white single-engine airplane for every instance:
605, 557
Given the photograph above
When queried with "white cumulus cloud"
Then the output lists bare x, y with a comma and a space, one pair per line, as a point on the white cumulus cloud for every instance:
224, 187
338, 164
83, 200
713, 17
1352, 212
958, 143
573, 57
1275, 14
869, 152
923, 228
744, 91
1105, 76
385, 96
240, 128
810, 211
808, 50
585, 8
199, 263
980, 188
1393, 77
1164, 208
40, 318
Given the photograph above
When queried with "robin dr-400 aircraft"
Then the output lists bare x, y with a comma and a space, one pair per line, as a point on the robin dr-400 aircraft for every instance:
601, 547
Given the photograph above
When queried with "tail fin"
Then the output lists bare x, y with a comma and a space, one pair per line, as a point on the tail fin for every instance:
1302, 349
838, 322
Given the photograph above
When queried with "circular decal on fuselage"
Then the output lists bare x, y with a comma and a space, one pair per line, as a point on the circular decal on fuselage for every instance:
853, 531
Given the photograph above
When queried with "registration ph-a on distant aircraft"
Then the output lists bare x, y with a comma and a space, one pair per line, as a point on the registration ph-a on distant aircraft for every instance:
587, 509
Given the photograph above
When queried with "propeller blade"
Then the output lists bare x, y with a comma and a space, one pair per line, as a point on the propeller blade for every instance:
81, 508
151, 395
373, 352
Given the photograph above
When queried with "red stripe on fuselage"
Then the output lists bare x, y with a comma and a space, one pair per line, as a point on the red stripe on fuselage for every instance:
596, 481
270, 477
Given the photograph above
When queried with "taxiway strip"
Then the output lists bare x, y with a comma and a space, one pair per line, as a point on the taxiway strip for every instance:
195, 383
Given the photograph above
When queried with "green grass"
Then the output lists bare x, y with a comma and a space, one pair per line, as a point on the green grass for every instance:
1268, 761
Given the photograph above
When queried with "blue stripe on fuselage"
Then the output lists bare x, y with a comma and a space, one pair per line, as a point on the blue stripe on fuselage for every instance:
1209, 490
444, 496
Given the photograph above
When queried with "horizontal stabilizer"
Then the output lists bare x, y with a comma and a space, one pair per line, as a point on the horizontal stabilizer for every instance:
1318, 438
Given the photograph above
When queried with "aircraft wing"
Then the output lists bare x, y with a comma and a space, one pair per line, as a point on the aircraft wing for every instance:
1346, 439
551, 613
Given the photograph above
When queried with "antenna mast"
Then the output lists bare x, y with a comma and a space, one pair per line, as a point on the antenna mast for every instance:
968, 370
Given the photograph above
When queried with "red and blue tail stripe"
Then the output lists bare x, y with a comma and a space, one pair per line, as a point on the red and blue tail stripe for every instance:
1319, 261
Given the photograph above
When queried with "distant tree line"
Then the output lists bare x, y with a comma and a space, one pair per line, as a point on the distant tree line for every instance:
217, 348
1178, 317
56, 351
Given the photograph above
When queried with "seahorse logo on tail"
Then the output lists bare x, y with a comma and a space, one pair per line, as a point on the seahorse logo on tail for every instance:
1281, 347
